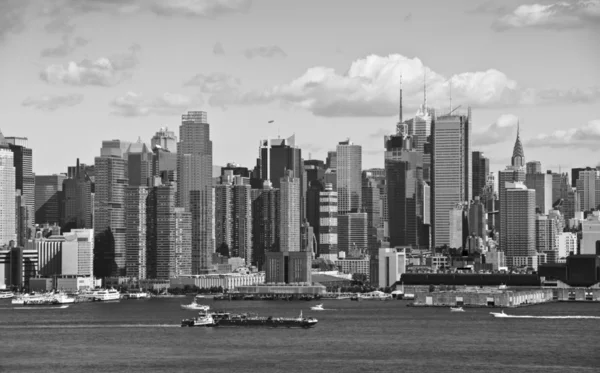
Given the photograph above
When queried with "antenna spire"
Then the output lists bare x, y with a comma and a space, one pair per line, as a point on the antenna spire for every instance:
400, 108
425, 91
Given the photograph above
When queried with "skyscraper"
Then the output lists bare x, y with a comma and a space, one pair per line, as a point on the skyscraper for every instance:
164, 139
481, 168
452, 180
7, 194
348, 171
512, 174
164, 165
109, 209
519, 207
352, 232
542, 184
265, 222
135, 236
371, 200
328, 228
79, 207
49, 199
139, 163
289, 217
194, 187
24, 178
533, 167
588, 183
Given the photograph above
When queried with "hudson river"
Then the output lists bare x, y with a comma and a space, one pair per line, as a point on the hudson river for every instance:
367, 336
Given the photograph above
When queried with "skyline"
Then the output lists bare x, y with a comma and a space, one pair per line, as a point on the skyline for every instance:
158, 60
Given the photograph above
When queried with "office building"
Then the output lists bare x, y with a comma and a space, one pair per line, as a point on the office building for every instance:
542, 184
352, 232
8, 223
328, 223
547, 230
195, 186
371, 200
109, 209
452, 170
392, 265
70, 254
164, 165
331, 160
49, 199
78, 198
459, 229
520, 225
590, 234
237, 170
24, 179
164, 139
567, 245
481, 169
135, 236
477, 221
533, 167
289, 216
348, 174
140, 164
313, 195
265, 222
588, 182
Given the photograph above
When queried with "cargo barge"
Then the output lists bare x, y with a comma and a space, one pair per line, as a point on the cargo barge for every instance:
226, 319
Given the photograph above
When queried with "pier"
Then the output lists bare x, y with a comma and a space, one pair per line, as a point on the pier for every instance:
483, 298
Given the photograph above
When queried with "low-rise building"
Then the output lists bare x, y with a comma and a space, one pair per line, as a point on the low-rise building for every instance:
226, 281
354, 265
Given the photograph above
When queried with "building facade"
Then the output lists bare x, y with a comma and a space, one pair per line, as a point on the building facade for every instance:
49, 199
348, 174
8, 226
520, 225
328, 223
135, 237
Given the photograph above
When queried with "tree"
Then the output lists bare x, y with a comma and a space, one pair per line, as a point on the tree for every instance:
223, 249
359, 278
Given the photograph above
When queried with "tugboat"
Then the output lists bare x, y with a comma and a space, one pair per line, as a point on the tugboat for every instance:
225, 319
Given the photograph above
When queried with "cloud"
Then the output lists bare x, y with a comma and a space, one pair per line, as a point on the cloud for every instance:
101, 72
12, 16
272, 51
66, 47
558, 16
502, 130
134, 105
199, 8
488, 7
223, 89
53, 102
218, 49
60, 24
586, 136
408, 17
370, 86
380, 133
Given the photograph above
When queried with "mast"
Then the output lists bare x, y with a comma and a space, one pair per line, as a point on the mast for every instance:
400, 106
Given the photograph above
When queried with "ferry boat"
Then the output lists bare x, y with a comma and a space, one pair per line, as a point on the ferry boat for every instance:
225, 319
6, 295
195, 306
456, 309
318, 307
42, 299
103, 295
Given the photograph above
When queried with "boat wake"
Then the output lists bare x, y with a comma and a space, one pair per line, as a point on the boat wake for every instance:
88, 326
37, 308
550, 317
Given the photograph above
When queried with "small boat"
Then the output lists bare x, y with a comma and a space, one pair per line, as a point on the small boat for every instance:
456, 309
195, 306
502, 287
499, 314
205, 320
137, 294
318, 307
6, 295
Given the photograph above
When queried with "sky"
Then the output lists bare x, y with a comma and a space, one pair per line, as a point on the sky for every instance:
76, 72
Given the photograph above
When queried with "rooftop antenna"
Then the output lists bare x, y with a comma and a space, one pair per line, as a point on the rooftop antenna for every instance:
400, 111
451, 95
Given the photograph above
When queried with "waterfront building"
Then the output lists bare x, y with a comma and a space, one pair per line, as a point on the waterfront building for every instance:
352, 232
195, 186
481, 169
135, 236
452, 172
590, 231
139, 163
354, 265
515, 173
229, 281
109, 209
49, 199
8, 226
567, 245
520, 225
348, 173
78, 198
265, 222
542, 184
459, 229
24, 179
69, 254
328, 223
164, 139
392, 265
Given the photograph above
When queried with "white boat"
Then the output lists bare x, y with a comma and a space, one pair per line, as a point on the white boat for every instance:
137, 295
318, 307
6, 295
499, 314
32, 299
195, 306
375, 295
502, 287
456, 309
103, 295
63, 298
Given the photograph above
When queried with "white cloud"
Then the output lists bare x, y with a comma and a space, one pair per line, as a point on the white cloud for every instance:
53, 102
271, 51
199, 8
560, 15
133, 104
12, 16
67, 46
587, 136
502, 130
101, 72
370, 88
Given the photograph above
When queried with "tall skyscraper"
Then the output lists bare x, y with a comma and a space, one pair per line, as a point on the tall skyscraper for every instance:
513, 173
348, 171
169, 235
7, 194
78, 190
164, 165
289, 217
352, 232
481, 169
371, 200
194, 186
24, 178
533, 167
164, 139
331, 161
519, 208
135, 236
265, 222
139, 163
588, 183
547, 231
109, 209
328, 228
313, 195
452, 170
49, 199
542, 184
